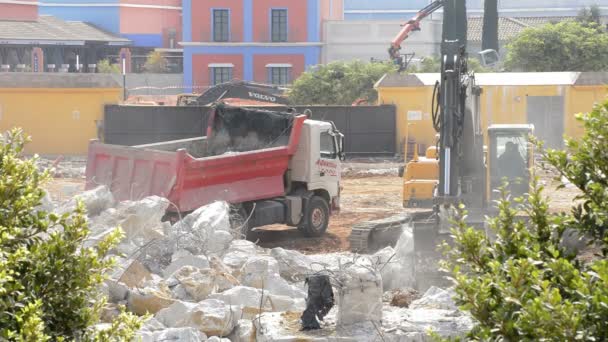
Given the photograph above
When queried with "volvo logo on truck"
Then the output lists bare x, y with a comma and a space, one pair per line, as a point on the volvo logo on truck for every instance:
262, 97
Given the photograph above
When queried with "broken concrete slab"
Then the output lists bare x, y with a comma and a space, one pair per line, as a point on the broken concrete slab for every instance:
243, 332
211, 316
253, 301
183, 259
217, 339
195, 231
95, 201
262, 272
116, 291
148, 300
198, 283
293, 266
360, 295
436, 298
135, 274
186, 334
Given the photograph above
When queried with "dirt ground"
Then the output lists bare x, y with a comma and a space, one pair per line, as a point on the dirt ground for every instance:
371, 191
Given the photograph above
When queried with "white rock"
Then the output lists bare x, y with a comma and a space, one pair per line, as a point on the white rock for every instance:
243, 332
217, 339
153, 325
95, 201
173, 334
250, 300
257, 271
435, 298
198, 283
211, 316
195, 231
199, 261
360, 296
149, 300
293, 266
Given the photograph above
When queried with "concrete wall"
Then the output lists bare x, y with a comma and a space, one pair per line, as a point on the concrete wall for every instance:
153, 84
500, 104
348, 40
22, 10
61, 120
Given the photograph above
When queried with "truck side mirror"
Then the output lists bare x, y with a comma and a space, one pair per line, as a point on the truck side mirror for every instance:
341, 152
489, 58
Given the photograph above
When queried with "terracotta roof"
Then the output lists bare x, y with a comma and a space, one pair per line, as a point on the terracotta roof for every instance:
51, 30
508, 28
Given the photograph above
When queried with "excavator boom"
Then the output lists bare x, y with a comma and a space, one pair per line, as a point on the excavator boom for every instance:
410, 26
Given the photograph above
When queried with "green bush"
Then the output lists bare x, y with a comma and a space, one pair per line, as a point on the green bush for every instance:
339, 83
48, 281
105, 67
524, 285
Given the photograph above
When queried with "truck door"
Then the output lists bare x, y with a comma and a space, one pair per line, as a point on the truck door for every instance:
328, 163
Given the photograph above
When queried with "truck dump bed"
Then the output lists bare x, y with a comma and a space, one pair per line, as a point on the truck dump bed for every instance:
243, 158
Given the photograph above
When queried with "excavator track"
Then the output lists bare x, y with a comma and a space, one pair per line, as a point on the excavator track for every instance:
368, 237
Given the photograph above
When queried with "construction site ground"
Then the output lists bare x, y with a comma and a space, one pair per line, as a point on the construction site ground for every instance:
371, 190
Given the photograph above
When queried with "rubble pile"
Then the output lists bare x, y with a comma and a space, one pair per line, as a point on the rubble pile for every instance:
64, 167
201, 283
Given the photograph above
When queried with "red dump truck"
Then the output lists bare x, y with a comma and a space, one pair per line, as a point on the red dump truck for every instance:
272, 167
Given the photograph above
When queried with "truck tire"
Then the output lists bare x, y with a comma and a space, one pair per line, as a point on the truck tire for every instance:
317, 217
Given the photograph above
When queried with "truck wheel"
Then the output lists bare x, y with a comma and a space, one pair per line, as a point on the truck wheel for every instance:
239, 224
317, 217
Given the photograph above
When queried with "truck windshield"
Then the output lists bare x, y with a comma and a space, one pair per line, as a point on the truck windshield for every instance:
328, 146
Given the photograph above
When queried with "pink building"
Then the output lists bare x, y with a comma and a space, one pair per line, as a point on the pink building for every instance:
269, 41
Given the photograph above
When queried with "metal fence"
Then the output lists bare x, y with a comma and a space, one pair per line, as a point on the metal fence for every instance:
369, 130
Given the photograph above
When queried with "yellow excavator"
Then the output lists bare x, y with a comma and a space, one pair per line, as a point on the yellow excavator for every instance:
462, 169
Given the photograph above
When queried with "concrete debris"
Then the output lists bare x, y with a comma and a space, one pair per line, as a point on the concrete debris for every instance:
243, 331
436, 298
217, 339
149, 300
64, 167
262, 272
153, 324
253, 301
198, 283
398, 325
95, 201
173, 334
293, 266
211, 316
135, 274
238, 252
360, 295
109, 312
116, 291
184, 258
197, 231
397, 265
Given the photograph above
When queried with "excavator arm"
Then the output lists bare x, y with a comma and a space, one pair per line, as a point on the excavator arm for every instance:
410, 26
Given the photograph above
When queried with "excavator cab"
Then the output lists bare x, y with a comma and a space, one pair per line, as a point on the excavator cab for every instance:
510, 158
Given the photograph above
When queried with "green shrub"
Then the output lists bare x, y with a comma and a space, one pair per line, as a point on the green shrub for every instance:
48, 281
524, 285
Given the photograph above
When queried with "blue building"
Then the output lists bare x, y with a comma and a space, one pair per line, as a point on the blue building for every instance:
403, 9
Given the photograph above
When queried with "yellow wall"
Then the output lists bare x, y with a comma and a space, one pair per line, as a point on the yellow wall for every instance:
499, 105
60, 121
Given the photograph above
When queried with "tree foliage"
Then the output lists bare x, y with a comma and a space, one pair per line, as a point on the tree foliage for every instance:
566, 46
590, 15
48, 281
339, 83
156, 63
105, 67
523, 285
433, 64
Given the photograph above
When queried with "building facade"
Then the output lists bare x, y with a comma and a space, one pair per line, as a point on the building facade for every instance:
401, 10
269, 41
